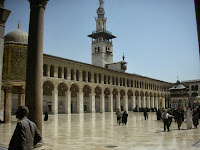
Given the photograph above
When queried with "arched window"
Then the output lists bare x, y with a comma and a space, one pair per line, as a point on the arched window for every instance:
120, 81
123, 81
59, 72
108, 79
51, 71
104, 79
113, 81
77, 75
45, 70
72, 74
116, 80
131, 83
84, 76
65, 73
99, 78
95, 78
127, 82
196, 88
89, 77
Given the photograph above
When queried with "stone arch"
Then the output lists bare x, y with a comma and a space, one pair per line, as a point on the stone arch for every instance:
141, 93
74, 98
86, 97
98, 100
130, 101
48, 88
62, 89
115, 93
107, 93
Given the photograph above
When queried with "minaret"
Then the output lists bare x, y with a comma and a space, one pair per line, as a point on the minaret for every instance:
102, 48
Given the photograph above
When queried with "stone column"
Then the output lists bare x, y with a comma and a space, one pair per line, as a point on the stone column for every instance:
163, 102
7, 108
80, 75
4, 13
34, 69
110, 102
68, 102
102, 102
144, 101
153, 102
133, 102
118, 101
80, 101
21, 96
149, 102
126, 101
68, 74
55, 72
156, 102
139, 101
55, 101
92, 102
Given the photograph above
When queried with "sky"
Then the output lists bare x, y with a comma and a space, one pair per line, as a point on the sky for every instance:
158, 37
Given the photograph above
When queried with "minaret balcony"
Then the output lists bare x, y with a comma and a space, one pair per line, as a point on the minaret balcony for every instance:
97, 31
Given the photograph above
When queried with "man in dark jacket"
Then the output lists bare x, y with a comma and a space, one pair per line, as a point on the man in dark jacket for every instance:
26, 134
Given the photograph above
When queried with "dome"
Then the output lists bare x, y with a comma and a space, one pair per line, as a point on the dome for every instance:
178, 86
17, 36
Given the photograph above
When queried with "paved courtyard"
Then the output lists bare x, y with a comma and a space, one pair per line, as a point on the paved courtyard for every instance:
101, 132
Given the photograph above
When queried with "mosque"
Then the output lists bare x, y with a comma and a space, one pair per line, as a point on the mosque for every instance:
70, 86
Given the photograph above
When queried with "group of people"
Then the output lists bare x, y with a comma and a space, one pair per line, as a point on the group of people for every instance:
121, 117
190, 116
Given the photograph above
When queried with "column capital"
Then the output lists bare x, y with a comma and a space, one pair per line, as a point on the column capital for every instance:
8, 89
38, 3
21, 90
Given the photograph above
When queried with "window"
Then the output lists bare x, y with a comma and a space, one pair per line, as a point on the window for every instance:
52, 71
59, 72
45, 70
77, 75
65, 73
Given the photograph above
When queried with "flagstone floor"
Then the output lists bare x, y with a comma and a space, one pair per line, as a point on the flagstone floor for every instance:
100, 132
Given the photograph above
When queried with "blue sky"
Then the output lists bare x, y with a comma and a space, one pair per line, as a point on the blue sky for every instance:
158, 37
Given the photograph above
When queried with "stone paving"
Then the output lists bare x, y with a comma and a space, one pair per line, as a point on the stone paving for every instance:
100, 132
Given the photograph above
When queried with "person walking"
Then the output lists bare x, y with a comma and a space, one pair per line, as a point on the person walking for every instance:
124, 117
166, 117
188, 117
119, 116
195, 118
26, 134
179, 117
46, 115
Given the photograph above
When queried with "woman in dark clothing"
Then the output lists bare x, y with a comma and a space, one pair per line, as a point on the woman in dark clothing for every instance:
179, 118
145, 114
158, 113
124, 117
195, 118
46, 115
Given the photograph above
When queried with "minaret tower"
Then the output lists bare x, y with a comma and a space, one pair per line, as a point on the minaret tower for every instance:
102, 48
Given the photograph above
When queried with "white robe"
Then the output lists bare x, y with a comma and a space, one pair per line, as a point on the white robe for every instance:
188, 115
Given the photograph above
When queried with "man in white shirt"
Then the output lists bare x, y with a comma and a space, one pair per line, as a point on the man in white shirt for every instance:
166, 116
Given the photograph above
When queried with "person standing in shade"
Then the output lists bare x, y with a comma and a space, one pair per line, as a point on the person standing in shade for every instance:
119, 116
195, 118
188, 117
124, 117
179, 117
166, 117
45, 115
145, 114
26, 134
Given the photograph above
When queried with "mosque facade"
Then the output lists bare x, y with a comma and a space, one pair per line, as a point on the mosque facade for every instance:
74, 87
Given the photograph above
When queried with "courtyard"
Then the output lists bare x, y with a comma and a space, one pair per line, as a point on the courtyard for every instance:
99, 131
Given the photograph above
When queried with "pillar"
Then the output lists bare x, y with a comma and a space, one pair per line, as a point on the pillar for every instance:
34, 69
21, 96
4, 13
2, 102
7, 108
110, 102
55, 101
133, 102
144, 102
68, 74
118, 101
163, 102
152, 102
126, 101
80, 101
48, 70
68, 102
92, 102
139, 101
156, 102
102, 102
149, 102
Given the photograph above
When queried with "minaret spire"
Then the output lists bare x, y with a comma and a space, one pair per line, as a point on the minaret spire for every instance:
18, 24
